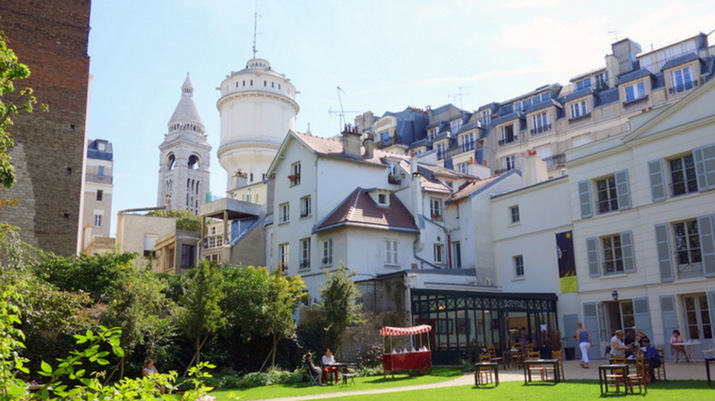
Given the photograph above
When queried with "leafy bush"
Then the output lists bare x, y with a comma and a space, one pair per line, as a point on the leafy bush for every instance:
369, 356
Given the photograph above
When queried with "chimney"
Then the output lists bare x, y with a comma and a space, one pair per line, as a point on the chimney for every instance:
351, 141
369, 145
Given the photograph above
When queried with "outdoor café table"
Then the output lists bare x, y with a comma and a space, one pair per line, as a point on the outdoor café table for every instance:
552, 362
707, 366
687, 347
342, 368
491, 365
603, 371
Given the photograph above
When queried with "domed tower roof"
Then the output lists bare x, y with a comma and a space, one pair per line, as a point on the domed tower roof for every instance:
186, 110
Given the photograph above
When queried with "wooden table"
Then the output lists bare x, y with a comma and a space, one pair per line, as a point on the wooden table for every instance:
707, 366
491, 365
603, 371
553, 362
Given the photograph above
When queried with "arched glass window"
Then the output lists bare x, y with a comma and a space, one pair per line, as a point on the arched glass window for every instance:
171, 164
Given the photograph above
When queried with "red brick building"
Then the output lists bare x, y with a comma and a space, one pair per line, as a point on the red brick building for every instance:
51, 37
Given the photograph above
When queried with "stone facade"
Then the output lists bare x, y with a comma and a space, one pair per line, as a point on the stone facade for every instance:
51, 38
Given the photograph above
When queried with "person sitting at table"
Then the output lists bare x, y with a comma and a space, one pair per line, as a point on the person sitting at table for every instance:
652, 358
641, 337
678, 351
328, 360
618, 347
312, 369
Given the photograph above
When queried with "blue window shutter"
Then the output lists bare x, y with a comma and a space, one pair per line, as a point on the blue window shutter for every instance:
623, 191
584, 196
670, 320
665, 260
590, 323
592, 252
707, 244
657, 180
629, 257
704, 158
641, 315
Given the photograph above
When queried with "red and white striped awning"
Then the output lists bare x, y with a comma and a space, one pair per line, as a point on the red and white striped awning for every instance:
404, 331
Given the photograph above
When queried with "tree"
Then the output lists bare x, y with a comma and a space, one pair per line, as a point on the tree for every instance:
202, 316
185, 220
339, 303
285, 292
10, 71
247, 291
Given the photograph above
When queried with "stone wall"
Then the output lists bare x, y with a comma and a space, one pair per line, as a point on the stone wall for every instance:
51, 38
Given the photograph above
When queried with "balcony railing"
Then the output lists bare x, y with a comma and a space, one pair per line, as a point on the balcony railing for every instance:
294, 179
101, 179
540, 129
683, 87
555, 161
506, 140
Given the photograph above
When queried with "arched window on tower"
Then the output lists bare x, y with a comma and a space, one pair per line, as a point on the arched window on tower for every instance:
171, 162
194, 163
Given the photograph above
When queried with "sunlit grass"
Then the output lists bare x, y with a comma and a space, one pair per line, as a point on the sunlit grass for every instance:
674, 390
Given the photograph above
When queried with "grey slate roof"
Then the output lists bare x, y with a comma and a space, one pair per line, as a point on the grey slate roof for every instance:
577, 94
679, 60
544, 105
508, 117
633, 75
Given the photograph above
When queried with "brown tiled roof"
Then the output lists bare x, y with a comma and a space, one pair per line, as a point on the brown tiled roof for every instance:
334, 148
471, 187
360, 210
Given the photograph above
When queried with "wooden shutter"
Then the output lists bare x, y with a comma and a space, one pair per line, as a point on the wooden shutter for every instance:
592, 252
590, 323
584, 196
641, 314
623, 191
629, 257
707, 244
657, 180
670, 321
665, 259
704, 158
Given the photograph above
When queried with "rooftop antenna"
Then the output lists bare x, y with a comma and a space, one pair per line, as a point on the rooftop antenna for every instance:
459, 95
342, 111
255, 27
615, 35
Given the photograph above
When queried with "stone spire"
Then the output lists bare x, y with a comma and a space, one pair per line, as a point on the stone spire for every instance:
186, 111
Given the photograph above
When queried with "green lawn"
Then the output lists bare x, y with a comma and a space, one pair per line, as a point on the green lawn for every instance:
674, 390
361, 383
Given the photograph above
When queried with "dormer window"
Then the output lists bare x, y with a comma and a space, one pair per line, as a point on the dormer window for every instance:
635, 92
468, 142
382, 199
455, 125
432, 133
682, 80
579, 109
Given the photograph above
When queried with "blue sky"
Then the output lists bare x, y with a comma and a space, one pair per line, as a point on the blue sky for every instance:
384, 54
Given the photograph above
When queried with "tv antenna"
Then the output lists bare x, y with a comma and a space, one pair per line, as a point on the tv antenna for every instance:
342, 112
615, 35
459, 96
255, 28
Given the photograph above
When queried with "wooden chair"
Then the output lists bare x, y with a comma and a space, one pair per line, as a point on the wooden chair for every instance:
516, 354
529, 347
535, 355
660, 370
484, 373
618, 376
639, 377
492, 352
559, 356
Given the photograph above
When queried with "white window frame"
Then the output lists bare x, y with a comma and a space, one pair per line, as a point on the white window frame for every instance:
635, 92
436, 209
540, 123
683, 79
295, 173
98, 220
687, 248
508, 162
696, 308
283, 256
284, 213
606, 195
455, 125
441, 148
683, 175
328, 252
518, 266
579, 109
438, 253
514, 216
391, 252
304, 253
468, 142
612, 252
504, 137
306, 206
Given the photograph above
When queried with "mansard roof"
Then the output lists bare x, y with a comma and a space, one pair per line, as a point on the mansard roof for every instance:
633, 75
680, 60
360, 210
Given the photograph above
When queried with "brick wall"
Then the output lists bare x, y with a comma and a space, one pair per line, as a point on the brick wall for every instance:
51, 38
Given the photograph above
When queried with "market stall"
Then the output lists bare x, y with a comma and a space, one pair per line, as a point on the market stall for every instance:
417, 360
